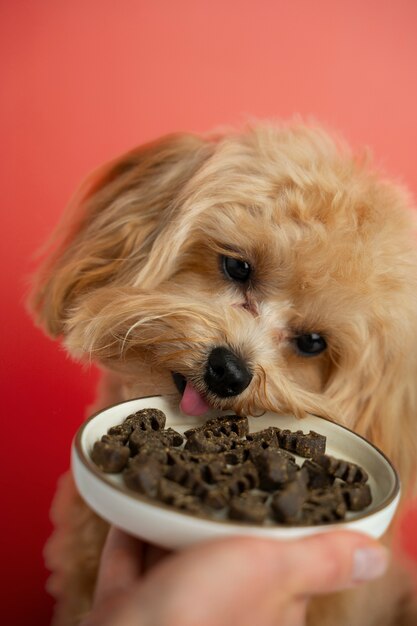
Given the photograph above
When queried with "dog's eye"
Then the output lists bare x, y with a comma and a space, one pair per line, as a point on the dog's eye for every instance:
235, 269
310, 344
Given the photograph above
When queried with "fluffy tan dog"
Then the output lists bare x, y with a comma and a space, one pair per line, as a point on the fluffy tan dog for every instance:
259, 270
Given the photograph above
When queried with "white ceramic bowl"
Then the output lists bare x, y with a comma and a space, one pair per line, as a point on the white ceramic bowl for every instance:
164, 526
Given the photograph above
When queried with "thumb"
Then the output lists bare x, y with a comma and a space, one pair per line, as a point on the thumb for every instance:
333, 561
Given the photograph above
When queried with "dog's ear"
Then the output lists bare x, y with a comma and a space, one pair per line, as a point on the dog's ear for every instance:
383, 408
377, 396
112, 224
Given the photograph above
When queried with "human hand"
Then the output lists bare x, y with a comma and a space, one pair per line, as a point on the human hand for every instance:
241, 580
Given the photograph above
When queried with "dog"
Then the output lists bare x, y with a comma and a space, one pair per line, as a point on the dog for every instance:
260, 269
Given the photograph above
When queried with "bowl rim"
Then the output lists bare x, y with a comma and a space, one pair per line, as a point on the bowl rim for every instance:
102, 476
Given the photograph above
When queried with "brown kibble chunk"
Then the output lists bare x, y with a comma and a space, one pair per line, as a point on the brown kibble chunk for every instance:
171, 437
213, 471
311, 445
330, 501
287, 439
216, 497
159, 439
308, 445
357, 496
317, 475
140, 438
144, 477
225, 425
287, 503
274, 468
157, 452
122, 430
206, 442
349, 472
169, 491
178, 496
150, 420
177, 472
248, 509
267, 438
110, 458
229, 424
243, 478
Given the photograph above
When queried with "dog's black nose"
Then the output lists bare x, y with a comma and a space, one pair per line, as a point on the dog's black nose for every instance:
226, 374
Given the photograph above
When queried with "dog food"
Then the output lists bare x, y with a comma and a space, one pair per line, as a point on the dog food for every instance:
221, 470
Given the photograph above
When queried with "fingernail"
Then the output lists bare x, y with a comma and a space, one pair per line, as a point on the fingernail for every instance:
369, 563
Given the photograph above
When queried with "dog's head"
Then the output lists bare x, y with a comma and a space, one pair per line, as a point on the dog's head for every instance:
267, 269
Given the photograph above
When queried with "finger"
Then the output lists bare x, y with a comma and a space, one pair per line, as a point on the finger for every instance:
330, 562
293, 613
278, 608
247, 580
120, 564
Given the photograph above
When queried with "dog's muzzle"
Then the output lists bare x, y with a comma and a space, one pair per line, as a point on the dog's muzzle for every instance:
226, 374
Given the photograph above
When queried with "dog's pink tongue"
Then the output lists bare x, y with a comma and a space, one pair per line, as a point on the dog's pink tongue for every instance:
192, 402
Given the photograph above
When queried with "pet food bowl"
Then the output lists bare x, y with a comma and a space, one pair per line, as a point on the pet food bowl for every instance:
165, 526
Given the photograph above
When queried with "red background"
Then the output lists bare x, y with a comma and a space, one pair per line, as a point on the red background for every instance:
85, 80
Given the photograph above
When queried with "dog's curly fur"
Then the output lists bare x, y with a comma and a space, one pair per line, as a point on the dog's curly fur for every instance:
134, 283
